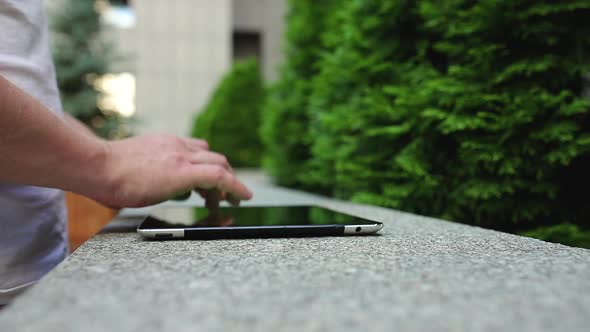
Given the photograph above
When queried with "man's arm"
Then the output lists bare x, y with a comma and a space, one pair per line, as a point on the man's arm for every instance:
78, 126
39, 148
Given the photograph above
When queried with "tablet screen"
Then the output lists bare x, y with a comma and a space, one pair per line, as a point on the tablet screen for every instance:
183, 217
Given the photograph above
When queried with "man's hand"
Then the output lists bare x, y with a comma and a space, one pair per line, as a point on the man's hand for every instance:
149, 169
39, 148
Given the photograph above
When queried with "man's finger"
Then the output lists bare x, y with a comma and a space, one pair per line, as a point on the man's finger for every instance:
182, 196
209, 176
195, 144
202, 193
213, 197
209, 157
232, 200
205, 192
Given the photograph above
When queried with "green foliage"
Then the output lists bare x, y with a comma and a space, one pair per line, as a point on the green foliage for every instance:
464, 110
284, 127
80, 57
231, 120
373, 44
567, 234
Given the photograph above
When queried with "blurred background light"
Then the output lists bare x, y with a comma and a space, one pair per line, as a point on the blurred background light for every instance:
118, 93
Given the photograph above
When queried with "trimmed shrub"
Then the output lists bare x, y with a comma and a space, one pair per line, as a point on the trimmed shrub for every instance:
469, 111
231, 120
285, 123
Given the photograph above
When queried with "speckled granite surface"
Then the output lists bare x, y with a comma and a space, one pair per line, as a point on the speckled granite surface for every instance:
421, 274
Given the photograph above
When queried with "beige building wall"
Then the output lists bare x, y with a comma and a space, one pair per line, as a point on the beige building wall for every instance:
179, 50
267, 18
183, 48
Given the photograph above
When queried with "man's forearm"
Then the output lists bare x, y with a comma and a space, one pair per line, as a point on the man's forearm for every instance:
78, 126
38, 148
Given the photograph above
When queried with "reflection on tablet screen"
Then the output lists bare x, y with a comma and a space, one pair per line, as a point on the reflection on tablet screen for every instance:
180, 217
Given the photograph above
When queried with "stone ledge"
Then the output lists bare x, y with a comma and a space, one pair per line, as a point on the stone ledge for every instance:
420, 274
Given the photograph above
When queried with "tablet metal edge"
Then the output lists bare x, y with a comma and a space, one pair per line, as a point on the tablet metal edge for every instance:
362, 229
171, 233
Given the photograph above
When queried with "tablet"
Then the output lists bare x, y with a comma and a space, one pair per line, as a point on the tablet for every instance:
197, 223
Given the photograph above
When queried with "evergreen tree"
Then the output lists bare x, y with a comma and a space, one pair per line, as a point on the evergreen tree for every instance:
284, 128
466, 110
372, 45
81, 56
508, 103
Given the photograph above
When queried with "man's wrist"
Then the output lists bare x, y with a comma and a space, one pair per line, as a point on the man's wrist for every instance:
92, 176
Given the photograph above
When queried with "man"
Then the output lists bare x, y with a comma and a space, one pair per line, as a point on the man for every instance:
43, 152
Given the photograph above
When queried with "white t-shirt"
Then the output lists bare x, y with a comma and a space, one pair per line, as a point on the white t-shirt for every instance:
33, 228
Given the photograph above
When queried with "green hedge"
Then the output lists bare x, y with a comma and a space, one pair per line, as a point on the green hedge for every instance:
568, 234
469, 111
284, 129
231, 120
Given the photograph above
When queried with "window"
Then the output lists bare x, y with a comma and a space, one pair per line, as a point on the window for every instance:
120, 3
117, 13
247, 45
